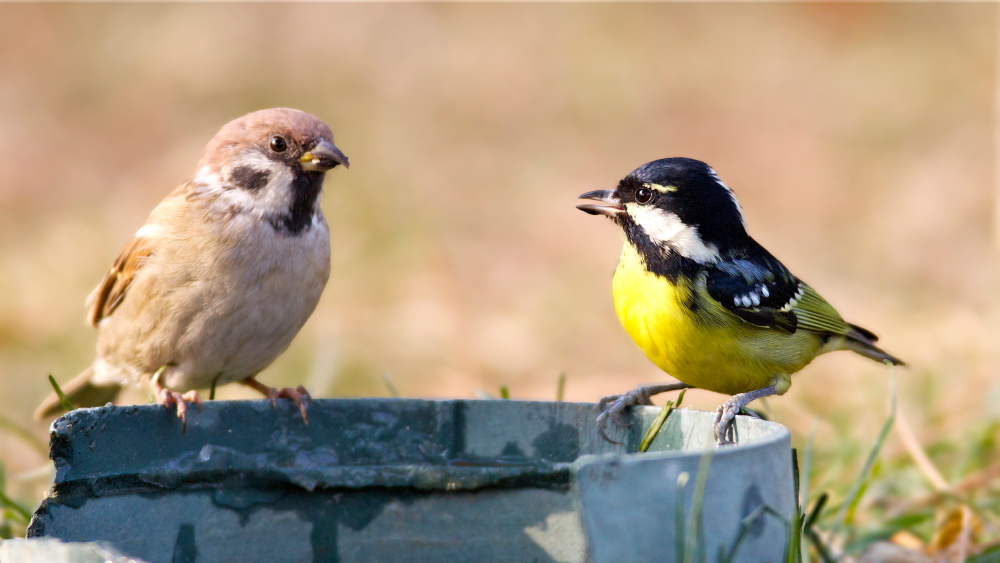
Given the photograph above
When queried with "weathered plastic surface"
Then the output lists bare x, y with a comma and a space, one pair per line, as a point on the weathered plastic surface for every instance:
381, 479
48, 550
630, 503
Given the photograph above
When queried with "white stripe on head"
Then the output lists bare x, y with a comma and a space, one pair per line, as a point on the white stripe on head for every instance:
665, 228
732, 195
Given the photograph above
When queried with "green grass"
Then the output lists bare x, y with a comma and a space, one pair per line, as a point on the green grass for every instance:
14, 516
659, 421
64, 401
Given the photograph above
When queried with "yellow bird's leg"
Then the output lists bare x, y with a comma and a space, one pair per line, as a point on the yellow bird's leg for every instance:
613, 407
725, 430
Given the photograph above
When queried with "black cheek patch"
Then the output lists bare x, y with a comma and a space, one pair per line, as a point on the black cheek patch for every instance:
249, 178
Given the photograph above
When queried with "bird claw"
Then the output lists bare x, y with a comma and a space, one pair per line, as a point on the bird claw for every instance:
298, 395
613, 407
169, 398
725, 429
725, 415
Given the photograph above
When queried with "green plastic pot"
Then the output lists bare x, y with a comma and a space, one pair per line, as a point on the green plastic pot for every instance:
414, 480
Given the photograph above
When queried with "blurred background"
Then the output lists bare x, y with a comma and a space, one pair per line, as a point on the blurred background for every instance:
859, 138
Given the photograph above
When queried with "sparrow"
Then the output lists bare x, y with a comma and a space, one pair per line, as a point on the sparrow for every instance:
703, 300
224, 272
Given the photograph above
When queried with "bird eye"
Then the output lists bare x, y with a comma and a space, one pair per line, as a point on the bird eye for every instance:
643, 195
278, 143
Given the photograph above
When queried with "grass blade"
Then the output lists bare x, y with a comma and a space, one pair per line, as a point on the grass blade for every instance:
389, 385
803, 499
20, 513
211, 390
66, 404
793, 547
27, 437
561, 387
849, 508
745, 525
695, 540
680, 536
661, 419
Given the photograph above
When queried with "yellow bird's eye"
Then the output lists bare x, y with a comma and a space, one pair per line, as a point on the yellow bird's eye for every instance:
643, 195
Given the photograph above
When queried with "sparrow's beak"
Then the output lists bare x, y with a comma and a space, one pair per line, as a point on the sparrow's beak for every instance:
322, 157
606, 203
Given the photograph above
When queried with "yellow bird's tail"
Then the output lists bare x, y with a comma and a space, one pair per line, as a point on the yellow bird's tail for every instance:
862, 341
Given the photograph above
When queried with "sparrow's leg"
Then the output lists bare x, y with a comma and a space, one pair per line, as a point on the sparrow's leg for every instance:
298, 395
725, 430
613, 406
169, 398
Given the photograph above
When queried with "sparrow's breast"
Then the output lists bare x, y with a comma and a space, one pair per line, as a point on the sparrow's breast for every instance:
274, 282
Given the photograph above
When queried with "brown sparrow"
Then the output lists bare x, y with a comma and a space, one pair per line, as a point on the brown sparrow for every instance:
223, 274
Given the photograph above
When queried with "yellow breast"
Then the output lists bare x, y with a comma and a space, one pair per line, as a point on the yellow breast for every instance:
711, 348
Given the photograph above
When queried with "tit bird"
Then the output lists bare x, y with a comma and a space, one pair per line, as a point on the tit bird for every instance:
704, 301
223, 274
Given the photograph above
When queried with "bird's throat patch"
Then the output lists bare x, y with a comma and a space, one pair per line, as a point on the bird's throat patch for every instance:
306, 188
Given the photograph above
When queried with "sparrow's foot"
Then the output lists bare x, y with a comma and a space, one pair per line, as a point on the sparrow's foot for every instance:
613, 406
298, 395
725, 429
169, 398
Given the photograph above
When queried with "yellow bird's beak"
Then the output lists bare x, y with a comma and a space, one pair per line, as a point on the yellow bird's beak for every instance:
322, 157
606, 203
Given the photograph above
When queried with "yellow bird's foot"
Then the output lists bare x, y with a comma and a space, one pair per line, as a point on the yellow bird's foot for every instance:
613, 407
725, 430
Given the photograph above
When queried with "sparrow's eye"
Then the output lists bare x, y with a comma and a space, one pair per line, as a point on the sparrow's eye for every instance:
278, 143
643, 195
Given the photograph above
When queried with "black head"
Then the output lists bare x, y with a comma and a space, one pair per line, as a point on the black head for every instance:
678, 203
689, 189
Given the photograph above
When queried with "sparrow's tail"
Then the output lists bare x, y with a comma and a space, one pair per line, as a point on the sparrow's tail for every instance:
862, 341
81, 391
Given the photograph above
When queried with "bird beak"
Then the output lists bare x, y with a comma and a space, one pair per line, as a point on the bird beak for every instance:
322, 157
607, 203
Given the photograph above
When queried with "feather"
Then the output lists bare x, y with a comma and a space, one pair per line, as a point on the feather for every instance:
113, 288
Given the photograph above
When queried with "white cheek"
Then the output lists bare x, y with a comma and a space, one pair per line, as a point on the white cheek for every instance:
207, 177
664, 227
273, 197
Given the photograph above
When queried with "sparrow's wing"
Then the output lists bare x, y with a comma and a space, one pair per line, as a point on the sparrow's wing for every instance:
110, 293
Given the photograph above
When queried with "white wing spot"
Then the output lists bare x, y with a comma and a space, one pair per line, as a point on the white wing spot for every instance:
764, 291
799, 292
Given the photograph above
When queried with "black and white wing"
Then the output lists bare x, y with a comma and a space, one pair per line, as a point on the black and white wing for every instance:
757, 288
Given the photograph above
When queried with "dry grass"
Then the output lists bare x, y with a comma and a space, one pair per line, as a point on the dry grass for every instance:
859, 137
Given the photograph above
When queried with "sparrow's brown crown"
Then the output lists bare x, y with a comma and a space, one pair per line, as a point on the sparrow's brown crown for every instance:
299, 129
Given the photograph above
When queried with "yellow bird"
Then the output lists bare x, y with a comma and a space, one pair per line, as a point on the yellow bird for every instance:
704, 301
